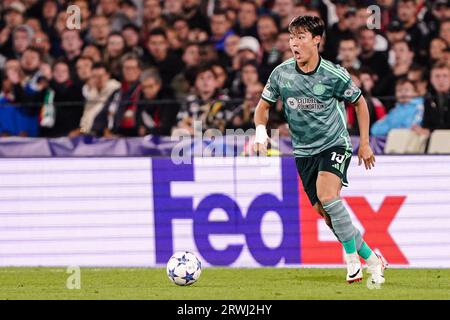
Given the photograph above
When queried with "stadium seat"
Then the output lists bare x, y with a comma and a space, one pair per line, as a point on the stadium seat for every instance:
440, 142
401, 141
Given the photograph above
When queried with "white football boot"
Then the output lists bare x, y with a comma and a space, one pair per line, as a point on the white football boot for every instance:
376, 267
354, 268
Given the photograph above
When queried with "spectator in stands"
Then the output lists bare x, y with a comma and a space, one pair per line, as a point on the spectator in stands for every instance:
21, 40
64, 97
13, 16
221, 77
220, 29
231, 49
93, 52
417, 31
348, 53
418, 75
404, 58
84, 69
115, 49
444, 31
167, 63
207, 105
34, 24
396, 32
85, 12
194, 16
42, 42
408, 110
247, 18
375, 60
49, 15
111, 10
436, 50
99, 30
172, 9
248, 49
157, 109
175, 45
267, 34
242, 116
96, 91
374, 106
248, 75
119, 114
181, 82
152, 16
282, 44
284, 9
72, 45
338, 31
130, 34
8, 111
437, 101
29, 90
182, 28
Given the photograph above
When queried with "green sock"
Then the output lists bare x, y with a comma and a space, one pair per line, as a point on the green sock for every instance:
350, 246
365, 251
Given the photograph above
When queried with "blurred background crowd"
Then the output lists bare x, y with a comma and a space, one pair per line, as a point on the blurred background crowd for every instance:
139, 67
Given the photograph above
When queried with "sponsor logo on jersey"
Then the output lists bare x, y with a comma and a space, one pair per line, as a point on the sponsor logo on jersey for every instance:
304, 103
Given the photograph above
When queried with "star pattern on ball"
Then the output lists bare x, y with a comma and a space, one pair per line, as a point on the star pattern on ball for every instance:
189, 277
199, 264
182, 260
172, 274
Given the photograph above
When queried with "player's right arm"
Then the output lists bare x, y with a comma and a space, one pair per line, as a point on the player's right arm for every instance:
261, 117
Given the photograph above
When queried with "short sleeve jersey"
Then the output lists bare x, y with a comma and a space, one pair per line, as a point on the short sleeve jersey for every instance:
313, 104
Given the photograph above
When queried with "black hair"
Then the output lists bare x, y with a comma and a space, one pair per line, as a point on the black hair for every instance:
408, 44
204, 67
157, 32
312, 24
100, 65
349, 37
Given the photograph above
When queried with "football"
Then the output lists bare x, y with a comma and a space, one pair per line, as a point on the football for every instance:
184, 268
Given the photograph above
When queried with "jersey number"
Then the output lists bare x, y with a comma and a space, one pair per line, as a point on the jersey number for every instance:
337, 157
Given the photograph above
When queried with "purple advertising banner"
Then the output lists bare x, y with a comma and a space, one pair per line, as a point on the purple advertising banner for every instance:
86, 146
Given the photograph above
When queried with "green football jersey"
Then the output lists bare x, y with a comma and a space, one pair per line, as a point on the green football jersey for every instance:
313, 104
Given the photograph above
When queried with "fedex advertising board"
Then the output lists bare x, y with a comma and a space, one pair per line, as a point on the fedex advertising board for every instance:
236, 212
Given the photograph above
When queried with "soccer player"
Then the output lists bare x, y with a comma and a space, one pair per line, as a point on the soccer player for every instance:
312, 91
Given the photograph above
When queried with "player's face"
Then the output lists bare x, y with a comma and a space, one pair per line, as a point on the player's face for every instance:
303, 45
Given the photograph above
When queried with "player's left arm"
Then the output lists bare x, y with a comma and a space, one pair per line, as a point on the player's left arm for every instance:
365, 153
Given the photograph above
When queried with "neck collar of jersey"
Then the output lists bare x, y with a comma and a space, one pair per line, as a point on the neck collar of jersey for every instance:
312, 71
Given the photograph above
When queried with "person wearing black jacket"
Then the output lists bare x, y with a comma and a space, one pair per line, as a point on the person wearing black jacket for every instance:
65, 95
157, 111
119, 114
161, 57
437, 102
29, 87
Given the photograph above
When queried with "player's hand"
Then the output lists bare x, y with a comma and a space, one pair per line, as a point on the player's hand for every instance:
261, 141
260, 148
365, 154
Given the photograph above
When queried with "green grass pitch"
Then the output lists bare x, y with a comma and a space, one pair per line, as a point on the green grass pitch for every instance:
221, 283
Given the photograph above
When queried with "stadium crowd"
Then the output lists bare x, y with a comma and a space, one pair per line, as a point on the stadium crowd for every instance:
139, 67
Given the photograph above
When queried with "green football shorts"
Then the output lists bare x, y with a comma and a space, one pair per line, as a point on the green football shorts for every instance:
335, 160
